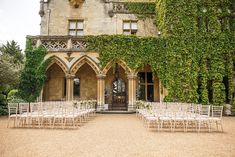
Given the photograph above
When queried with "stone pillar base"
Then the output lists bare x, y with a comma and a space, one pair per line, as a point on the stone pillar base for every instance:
100, 107
131, 107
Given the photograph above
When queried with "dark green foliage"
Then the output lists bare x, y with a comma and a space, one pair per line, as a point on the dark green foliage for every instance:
143, 9
13, 49
3, 102
33, 75
11, 62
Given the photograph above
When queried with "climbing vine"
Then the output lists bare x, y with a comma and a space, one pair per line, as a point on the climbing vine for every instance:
33, 75
142, 9
192, 57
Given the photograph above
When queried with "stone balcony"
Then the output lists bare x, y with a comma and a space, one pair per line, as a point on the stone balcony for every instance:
60, 43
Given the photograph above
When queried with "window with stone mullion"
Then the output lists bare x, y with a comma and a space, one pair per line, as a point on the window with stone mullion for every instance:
76, 28
130, 27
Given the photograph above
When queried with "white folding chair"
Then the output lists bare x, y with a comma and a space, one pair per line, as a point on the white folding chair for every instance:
217, 113
69, 115
12, 113
35, 114
203, 117
47, 112
24, 114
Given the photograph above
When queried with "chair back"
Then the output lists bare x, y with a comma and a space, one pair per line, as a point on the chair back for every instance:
12, 108
217, 111
205, 110
23, 108
34, 107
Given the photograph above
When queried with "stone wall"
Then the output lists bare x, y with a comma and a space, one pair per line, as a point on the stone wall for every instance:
88, 85
96, 19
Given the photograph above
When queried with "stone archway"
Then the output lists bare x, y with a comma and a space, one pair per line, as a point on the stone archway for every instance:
83, 80
81, 61
59, 62
55, 86
119, 62
123, 100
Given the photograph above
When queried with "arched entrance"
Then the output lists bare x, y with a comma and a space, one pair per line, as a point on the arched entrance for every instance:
55, 85
85, 83
116, 88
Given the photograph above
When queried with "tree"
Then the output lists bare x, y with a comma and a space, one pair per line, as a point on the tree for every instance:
11, 63
9, 73
12, 49
33, 75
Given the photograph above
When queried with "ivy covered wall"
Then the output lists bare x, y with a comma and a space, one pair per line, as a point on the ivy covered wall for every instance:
194, 57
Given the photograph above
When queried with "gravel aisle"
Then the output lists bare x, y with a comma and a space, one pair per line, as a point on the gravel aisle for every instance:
115, 136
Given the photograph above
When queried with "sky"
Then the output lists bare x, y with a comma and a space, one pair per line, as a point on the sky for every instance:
19, 18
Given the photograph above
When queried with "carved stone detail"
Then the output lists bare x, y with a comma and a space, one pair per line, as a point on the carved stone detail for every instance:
76, 3
120, 8
60, 43
54, 45
79, 45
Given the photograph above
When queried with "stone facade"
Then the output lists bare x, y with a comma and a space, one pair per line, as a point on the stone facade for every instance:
95, 14
70, 60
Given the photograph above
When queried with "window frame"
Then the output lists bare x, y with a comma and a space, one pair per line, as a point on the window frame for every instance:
76, 29
146, 83
130, 30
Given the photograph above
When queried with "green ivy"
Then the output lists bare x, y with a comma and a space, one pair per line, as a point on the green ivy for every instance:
33, 75
192, 52
142, 9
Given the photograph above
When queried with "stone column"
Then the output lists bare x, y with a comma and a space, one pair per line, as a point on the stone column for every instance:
100, 92
132, 92
69, 87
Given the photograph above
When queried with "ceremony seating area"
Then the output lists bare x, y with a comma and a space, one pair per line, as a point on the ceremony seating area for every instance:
51, 114
180, 116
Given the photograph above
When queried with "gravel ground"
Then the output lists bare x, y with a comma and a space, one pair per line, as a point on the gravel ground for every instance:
115, 136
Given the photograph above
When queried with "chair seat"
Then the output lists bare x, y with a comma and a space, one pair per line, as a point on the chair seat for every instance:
24, 115
165, 118
202, 118
214, 119
179, 118
13, 115
152, 118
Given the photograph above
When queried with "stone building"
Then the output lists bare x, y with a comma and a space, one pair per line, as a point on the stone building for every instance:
74, 73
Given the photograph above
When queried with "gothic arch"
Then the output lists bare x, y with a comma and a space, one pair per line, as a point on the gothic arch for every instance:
81, 61
119, 62
59, 62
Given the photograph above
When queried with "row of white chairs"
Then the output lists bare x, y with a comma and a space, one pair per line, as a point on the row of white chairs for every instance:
51, 114
180, 116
